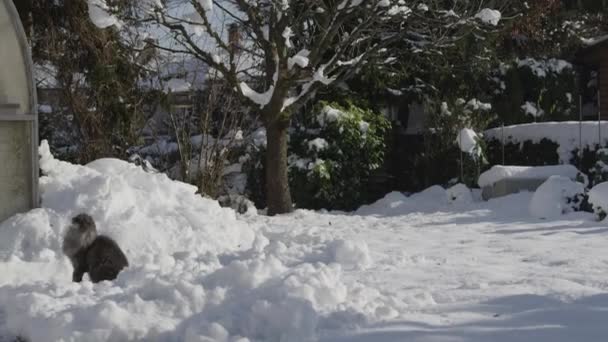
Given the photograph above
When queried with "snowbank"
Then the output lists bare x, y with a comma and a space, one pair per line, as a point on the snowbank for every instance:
396, 203
598, 197
500, 172
197, 271
565, 134
460, 194
554, 197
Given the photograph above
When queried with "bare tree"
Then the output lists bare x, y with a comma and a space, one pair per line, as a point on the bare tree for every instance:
291, 48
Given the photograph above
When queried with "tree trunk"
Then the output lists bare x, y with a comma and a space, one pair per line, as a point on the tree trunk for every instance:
277, 181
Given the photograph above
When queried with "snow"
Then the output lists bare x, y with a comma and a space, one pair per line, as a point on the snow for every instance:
530, 109
177, 85
499, 172
329, 115
460, 194
467, 141
553, 198
261, 99
598, 197
100, 15
489, 16
541, 68
594, 41
207, 5
300, 59
318, 144
565, 134
419, 268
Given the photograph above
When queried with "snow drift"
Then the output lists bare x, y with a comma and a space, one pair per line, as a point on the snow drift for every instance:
197, 271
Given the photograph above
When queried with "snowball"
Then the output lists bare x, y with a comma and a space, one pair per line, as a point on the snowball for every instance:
553, 198
489, 16
396, 203
460, 193
500, 172
467, 140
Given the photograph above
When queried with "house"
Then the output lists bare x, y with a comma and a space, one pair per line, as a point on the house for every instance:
18, 120
593, 60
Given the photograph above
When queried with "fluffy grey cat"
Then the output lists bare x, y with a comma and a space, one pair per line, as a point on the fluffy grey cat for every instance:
98, 255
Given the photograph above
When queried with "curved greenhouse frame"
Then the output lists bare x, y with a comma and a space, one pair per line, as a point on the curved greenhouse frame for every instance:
18, 118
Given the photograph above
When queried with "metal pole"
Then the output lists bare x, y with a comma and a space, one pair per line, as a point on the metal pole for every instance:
599, 123
502, 132
580, 131
461, 158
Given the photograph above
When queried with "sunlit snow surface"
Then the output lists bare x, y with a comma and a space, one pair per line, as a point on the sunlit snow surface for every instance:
430, 267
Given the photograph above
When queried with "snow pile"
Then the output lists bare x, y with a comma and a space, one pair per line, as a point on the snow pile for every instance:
557, 196
197, 271
468, 141
460, 194
397, 204
489, 16
500, 172
351, 254
565, 134
598, 197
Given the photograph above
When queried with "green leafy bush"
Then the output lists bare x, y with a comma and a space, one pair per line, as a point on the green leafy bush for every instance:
333, 152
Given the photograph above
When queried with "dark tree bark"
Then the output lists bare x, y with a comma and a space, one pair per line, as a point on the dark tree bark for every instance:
277, 182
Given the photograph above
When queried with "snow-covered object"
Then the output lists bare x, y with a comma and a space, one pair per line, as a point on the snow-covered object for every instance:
598, 197
500, 172
329, 114
565, 134
177, 85
594, 41
460, 194
468, 141
530, 109
542, 67
261, 99
100, 15
555, 197
489, 16
318, 144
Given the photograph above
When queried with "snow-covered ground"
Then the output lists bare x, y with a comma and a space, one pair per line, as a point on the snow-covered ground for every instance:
438, 266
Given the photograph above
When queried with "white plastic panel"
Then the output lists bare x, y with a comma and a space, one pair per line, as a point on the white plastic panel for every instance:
15, 166
14, 83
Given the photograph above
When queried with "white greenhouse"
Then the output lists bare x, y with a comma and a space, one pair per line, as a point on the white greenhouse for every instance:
18, 119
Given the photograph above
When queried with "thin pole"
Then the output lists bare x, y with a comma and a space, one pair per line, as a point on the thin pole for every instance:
580, 131
599, 123
502, 132
461, 159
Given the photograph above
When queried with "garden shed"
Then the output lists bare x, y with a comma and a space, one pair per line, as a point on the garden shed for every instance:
18, 120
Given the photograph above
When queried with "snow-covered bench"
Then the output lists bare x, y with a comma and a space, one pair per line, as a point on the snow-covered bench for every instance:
504, 180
